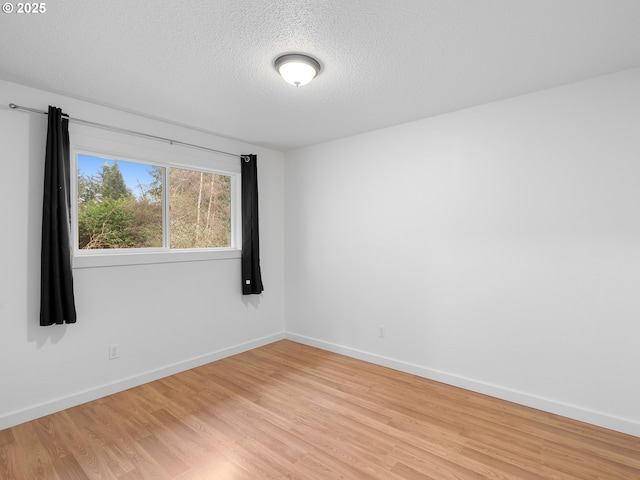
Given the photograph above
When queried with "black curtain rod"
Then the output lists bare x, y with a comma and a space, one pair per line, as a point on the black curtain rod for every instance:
13, 106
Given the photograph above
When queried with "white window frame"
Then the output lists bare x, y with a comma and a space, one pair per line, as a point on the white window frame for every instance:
113, 145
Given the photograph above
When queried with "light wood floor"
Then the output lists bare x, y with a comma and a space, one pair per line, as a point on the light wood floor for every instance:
288, 411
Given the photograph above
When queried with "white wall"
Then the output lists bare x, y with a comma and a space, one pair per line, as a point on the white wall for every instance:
166, 317
499, 246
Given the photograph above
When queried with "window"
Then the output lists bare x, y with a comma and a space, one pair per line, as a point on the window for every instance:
117, 213
138, 204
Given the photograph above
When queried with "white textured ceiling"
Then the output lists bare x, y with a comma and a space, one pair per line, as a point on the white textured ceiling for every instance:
209, 64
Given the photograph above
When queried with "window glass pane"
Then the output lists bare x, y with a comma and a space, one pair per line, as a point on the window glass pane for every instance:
200, 209
119, 204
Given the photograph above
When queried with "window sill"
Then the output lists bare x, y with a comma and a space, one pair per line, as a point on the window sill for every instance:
94, 260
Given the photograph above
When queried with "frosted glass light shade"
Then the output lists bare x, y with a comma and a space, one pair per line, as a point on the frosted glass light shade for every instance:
297, 69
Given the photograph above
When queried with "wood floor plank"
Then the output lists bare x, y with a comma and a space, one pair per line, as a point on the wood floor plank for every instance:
11, 468
6, 437
68, 468
95, 425
289, 411
35, 461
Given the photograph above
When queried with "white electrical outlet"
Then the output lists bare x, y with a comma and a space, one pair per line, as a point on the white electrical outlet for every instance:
381, 331
114, 351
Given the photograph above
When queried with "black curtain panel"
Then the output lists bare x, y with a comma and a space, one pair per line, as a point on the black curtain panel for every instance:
251, 276
57, 303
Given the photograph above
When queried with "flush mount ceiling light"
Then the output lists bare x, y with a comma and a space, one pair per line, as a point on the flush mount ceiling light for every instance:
296, 68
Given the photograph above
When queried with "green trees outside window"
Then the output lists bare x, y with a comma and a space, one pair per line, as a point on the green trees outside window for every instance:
117, 210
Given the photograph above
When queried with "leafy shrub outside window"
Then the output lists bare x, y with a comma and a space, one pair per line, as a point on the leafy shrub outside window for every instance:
121, 205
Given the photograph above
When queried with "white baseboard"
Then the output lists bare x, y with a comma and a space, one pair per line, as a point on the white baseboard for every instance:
78, 398
548, 405
540, 403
